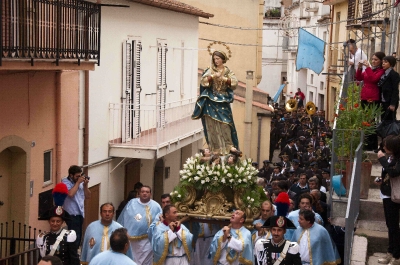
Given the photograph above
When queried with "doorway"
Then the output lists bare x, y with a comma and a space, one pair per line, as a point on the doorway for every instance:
158, 184
92, 207
12, 182
132, 175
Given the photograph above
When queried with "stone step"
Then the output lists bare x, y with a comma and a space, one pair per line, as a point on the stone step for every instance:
377, 241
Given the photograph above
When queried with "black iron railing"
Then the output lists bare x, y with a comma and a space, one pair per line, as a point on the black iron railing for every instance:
50, 29
16, 238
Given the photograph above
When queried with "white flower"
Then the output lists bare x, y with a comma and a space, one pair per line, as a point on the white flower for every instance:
249, 177
198, 167
184, 177
197, 155
176, 192
218, 166
248, 197
249, 206
185, 166
239, 180
252, 199
249, 160
215, 178
179, 196
198, 172
218, 174
231, 180
244, 180
229, 175
207, 179
196, 178
172, 193
181, 172
236, 176
202, 182
223, 180
225, 171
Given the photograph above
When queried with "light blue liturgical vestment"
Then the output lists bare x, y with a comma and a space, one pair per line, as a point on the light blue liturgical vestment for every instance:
93, 242
110, 257
137, 217
294, 217
323, 249
171, 247
239, 250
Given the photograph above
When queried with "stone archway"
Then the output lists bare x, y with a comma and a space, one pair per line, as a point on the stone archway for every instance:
14, 180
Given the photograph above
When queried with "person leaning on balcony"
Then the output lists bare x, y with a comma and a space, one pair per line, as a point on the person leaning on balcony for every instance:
213, 106
355, 56
391, 169
389, 86
370, 92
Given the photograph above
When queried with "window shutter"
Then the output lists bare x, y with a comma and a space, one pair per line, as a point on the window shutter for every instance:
161, 81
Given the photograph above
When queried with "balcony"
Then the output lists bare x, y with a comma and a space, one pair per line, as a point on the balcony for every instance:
367, 13
58, 31
152, 131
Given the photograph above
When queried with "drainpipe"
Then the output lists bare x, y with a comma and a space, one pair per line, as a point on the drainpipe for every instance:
86, 129
259, 138
58, 127
328, 88
248, 113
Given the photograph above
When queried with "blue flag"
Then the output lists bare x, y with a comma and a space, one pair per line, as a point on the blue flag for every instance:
310, 52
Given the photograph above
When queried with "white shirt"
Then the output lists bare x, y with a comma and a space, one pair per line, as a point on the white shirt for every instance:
359, 56
304, 251
234, 244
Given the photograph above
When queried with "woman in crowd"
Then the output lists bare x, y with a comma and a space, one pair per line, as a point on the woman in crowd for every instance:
370, 94
391, 169
389, 87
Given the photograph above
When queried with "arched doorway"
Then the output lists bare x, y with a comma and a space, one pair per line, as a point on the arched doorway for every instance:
13, 181
158, 184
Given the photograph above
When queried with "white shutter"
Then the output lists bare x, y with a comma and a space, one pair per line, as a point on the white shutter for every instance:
161, 81
127, 91
137, 88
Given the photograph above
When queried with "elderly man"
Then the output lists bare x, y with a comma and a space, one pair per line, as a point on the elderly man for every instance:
97, 235
277, 250
119, 243
172, 241
137, 217
316, 245
232, 244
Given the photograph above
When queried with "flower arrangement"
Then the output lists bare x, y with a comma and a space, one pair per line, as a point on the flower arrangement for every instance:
215, 177
353, 117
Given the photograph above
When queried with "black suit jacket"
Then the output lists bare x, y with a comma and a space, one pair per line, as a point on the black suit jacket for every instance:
390, 88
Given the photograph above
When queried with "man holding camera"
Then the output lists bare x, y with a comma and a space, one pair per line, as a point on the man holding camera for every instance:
78, 192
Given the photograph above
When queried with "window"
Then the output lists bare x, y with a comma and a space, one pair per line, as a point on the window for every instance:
321, 86
131, 84
47, 166
324, 36
312, 79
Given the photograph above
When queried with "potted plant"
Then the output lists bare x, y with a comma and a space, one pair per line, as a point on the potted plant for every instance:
351, 119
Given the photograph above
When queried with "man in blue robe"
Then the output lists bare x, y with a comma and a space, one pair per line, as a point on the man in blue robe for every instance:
205, 234
232, 244
119, 243
171, 241
97, 235
316, 245
137, 216
304, 204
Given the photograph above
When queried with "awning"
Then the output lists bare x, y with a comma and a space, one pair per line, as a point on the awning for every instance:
276, 97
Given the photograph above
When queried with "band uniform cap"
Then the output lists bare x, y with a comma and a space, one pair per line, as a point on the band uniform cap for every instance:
296, 161
314, 164
267, 162
279, 221
326, 170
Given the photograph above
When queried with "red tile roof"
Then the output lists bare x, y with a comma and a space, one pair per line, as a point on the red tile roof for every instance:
176, 6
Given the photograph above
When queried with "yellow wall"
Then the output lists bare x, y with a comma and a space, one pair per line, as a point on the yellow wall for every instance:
233, 13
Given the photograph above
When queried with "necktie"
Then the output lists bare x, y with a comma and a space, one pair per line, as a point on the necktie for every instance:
105, 241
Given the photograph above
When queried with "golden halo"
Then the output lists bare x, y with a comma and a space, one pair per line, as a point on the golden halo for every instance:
228, 53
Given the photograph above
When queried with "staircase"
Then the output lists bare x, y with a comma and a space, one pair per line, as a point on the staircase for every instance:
371, 221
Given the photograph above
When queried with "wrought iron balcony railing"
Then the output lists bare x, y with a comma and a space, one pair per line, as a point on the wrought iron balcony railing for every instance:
50, 29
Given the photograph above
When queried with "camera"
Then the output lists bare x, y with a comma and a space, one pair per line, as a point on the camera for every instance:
86, 177
378, 179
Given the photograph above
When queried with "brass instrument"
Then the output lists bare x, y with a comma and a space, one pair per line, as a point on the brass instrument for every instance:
310, 108
291, 105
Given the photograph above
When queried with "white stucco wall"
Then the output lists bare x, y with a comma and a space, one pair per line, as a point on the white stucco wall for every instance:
147, 24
